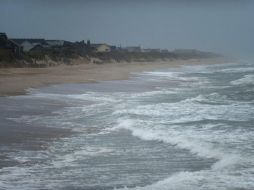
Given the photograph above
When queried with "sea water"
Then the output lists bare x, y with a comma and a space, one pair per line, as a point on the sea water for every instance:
188, 128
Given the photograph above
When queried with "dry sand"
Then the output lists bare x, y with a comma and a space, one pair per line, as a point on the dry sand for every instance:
15, 81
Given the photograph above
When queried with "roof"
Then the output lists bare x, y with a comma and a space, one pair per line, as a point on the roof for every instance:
97, 45
8, 42
55, 42
13, 42
3, 35
137, 47
33, 40
133, 48
36, 47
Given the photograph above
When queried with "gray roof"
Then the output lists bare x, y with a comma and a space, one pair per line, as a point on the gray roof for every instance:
33, 40
3, 35
97, 45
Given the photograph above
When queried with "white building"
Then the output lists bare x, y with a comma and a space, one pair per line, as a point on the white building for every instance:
101, 48
28, 44
133, 49
55, 42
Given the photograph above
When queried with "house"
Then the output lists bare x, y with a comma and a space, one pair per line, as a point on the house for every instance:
37, 48
3, 39
113, 48
68, 44
8, 44
133, 49
152, 50
28, 44
164, 51
101, 48
80, 47
146, 50
54, 43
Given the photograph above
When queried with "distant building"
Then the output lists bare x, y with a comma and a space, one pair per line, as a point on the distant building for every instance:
151, 50
37, 48
133, 49
68, 44
155, 50
3, 39
113, 48
186, 51
8, 44
101, 48
88, 42
53, 43
164, 51
146, 50
28, 44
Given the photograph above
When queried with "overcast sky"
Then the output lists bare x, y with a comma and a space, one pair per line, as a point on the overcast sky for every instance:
215, 25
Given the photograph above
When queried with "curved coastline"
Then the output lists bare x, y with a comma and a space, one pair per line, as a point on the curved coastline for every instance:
16, 81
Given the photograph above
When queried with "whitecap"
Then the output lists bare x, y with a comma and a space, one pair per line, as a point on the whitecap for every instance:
246, 80
237, 70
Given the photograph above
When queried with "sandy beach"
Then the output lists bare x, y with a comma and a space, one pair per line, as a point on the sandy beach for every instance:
145, 132
15, 81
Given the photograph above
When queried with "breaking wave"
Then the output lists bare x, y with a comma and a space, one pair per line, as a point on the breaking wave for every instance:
246, 80
201, 115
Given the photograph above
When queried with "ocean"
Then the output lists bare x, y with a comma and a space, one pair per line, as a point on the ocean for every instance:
187, 128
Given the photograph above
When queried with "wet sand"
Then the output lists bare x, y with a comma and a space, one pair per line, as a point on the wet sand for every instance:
15, 81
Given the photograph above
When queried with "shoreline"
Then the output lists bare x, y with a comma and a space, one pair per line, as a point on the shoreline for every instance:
16, 81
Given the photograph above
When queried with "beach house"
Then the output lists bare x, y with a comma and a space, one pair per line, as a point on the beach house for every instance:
101, 48
9, 45
28, 44
151, 50
133, 49
53, 43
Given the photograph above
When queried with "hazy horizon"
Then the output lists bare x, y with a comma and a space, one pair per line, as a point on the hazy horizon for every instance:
218, 26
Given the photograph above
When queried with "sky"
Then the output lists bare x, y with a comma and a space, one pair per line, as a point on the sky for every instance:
223, 26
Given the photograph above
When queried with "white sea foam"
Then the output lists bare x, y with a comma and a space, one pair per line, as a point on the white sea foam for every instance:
213, 68
175, 76
222, 175
231, 147
152, 93
169, 74
237, 70
210, 98
201, 148
191, 110
219, 68
246, 80
202, 180
96, 97
94, 103
74, 157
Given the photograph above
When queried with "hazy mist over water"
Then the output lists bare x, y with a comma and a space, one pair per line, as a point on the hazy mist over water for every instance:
220, 26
